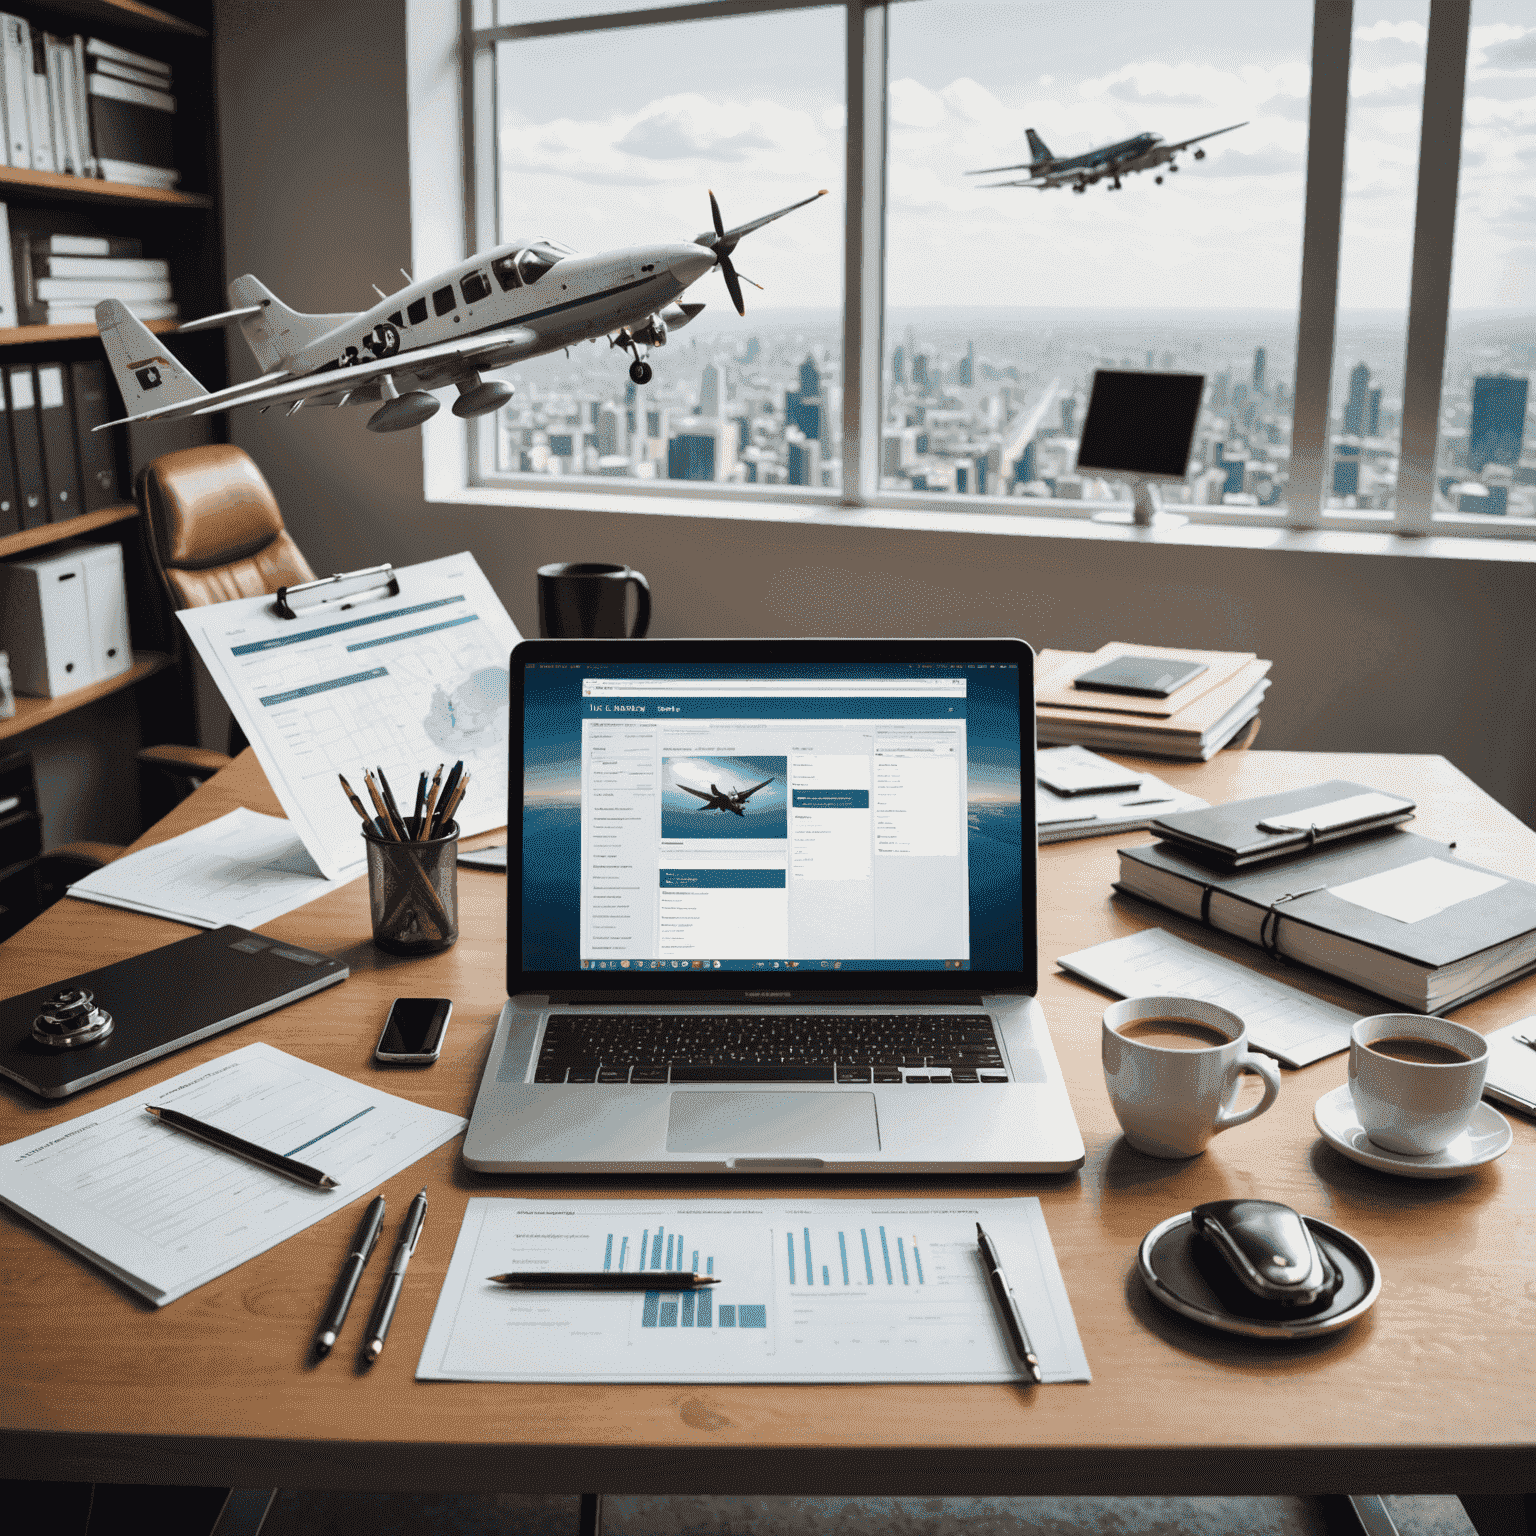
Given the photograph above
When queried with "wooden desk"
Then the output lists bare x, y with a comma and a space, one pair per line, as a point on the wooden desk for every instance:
1432, 1392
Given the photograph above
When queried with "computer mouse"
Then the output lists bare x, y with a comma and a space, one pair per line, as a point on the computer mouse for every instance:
1268, 1249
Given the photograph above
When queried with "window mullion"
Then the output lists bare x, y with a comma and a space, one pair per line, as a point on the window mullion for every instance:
864, 251
1434, 230
1332, 30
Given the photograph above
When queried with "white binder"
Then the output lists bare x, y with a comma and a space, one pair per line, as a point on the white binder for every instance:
45, 624
106, 601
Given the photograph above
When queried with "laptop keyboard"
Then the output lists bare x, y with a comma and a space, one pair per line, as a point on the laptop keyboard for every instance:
769, 1048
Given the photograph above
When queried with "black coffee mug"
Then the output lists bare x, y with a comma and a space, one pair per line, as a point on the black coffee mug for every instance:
587, 600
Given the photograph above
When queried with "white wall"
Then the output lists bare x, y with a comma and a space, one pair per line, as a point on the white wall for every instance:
1371, 654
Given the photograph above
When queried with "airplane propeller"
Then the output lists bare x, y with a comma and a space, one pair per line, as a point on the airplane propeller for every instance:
722, 242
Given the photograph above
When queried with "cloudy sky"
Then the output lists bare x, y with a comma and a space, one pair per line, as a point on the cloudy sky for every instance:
614, 138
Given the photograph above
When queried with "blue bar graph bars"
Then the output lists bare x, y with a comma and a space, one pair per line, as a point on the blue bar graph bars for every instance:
901, 1253
789, 1238
917, 1259
688, 1309
907, 1260
608, 1253
752, 1316
810, 1273
885, 1249
669, 1313
869, 1269
842, 1248
727, 1316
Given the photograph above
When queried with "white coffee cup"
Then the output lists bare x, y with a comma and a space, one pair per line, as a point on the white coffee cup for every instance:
1171, 1101
1415, 1107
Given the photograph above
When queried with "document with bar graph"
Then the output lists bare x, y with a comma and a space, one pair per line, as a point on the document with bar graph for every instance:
816, 1290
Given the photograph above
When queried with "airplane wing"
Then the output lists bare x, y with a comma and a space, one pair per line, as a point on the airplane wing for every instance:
997, 170
507, 345
1198, 137
732, 235
748, 793
699, 792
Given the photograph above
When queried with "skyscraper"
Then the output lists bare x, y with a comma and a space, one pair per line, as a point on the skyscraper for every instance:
965, 374
920, 370
899, 366
1373, 413
1354, 407
1259, 359
1498, 421
1068, 412
709, 391
754, 347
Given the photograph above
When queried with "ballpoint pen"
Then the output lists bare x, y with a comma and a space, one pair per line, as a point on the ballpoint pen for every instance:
1008, 1306
421, 798
382, 819
602, 1280
451, 809
384, 1308
227, 1141
351, 1272
452, 783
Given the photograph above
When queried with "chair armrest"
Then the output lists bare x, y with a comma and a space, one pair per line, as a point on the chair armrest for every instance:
195, 762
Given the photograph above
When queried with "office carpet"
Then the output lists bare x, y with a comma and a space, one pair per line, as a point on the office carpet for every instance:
299, 1513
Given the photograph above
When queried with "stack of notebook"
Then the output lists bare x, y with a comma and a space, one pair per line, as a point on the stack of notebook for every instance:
1384, 909
1195, 721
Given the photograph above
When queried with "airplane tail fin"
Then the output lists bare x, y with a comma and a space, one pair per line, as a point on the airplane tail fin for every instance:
145, 371
275, 333
1037, 147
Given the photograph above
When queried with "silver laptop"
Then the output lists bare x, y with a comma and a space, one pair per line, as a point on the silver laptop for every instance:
771, 909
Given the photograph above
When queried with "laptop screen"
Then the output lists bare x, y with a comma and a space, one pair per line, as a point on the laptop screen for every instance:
817, 822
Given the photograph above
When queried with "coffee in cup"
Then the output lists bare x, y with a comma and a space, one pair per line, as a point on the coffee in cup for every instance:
1415, 1080
1173, 1067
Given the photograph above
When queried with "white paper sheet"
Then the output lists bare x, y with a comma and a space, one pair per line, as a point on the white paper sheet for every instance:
166, 1213
401, 683
243, 868
1337, 813
816, 1290
1282, 1022
1422, 889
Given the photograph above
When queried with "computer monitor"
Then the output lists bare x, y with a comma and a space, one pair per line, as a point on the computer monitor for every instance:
1139, 427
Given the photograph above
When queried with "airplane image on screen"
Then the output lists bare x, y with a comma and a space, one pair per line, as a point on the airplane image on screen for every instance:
1145, 152
517, 301
726, 800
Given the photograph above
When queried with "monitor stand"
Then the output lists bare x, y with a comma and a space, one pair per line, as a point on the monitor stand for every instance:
1146, 510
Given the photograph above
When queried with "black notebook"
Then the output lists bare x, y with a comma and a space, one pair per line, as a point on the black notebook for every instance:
1440, 959
1246, 832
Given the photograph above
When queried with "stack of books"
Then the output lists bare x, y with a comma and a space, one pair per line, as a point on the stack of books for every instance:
60, 279
1384, 909
1195, 721
53, 465
82, 107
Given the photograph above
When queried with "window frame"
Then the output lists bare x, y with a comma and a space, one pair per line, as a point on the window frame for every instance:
465, 466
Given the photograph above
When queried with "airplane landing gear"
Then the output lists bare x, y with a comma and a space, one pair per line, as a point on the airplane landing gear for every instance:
640, 372
1158, 180
1079, 186
1199, 154
1114, 186
1174, 165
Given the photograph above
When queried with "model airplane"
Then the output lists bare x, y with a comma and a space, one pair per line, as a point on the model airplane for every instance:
1145, 152
726, 800
518, 301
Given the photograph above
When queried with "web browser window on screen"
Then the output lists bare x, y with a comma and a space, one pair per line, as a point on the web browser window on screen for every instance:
867, 820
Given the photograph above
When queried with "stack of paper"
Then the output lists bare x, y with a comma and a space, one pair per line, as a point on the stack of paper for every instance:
165, 1213
1061, 817
244, 868
1195, 721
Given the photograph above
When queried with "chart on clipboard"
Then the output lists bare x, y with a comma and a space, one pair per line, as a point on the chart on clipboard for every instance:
399, 677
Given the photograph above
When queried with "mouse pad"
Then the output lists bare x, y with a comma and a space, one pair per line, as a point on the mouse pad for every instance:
160, 1001
803, 1122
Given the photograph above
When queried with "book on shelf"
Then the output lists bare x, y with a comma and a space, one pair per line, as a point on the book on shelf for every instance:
9, 315
31, 487
90, 290
128, 268
87, 245
1393, 913
55, 288
56, 428
68, 313
83, 107
94, 406
10, 503
1197, 732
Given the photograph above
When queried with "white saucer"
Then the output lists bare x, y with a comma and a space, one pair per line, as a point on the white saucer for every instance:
1488, 1137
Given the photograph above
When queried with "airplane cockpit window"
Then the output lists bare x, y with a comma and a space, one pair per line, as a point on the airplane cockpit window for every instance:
443, 300
505, 268
417, 313
537, 260
474, 287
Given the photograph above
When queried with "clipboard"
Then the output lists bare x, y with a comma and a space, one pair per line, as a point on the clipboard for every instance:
344, 589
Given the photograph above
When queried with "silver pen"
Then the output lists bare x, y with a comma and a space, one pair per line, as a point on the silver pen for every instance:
1008, 1306
394, 1281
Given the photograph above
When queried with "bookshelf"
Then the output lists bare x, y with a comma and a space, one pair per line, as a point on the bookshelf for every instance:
183, 226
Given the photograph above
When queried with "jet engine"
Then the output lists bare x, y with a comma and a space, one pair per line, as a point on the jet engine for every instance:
479, 399
407, 410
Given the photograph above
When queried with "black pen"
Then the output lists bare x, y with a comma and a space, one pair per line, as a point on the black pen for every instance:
449, 785
389, 803
421, 799
351, 1272
394, 1281
600, 1280
226, 1141
1008, 1306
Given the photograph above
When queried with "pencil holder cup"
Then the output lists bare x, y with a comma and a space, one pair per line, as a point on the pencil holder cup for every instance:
413, 892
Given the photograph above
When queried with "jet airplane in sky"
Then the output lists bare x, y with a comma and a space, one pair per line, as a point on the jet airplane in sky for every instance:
517, 301
1145, 152
728, 799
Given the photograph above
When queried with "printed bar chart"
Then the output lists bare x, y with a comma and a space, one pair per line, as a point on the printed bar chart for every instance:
688, 1309
906, 1262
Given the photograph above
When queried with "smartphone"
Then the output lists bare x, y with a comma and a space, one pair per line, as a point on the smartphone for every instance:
414, 1029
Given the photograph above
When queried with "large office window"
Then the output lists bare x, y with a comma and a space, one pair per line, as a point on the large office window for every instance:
926, 338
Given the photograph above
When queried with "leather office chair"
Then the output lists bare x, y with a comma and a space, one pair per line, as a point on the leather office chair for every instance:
216, 533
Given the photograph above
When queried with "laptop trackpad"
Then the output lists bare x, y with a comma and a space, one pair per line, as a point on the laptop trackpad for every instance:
773, 1122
